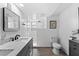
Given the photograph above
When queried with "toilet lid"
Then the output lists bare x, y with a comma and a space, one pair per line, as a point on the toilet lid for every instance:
56, 45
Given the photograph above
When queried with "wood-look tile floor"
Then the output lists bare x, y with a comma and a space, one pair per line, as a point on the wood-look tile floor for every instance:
45, 52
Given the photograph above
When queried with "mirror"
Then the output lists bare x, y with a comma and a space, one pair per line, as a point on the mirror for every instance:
11, 21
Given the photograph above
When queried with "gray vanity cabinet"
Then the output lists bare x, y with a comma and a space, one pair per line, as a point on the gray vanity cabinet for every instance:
73, 48
27, 50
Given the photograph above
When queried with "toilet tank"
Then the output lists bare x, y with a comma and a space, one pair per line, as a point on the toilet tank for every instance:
54, 39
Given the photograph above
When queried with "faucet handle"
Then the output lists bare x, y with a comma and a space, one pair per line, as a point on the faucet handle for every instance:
11, 39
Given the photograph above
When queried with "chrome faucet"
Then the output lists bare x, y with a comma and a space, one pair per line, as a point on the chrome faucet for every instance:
17, 36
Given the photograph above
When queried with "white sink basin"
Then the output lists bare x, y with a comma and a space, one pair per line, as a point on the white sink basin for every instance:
4, 52
13, 48
23, 38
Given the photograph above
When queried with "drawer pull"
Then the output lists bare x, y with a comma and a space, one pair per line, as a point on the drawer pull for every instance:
74, 45
74, 48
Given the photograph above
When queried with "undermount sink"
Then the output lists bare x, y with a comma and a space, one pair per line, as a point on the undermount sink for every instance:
23, 37
4, 52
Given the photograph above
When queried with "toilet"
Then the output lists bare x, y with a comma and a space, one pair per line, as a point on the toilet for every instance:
56, 46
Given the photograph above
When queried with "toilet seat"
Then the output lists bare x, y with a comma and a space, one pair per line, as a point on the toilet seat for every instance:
56, 45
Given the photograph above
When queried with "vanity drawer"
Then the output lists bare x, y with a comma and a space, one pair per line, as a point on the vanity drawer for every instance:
73, 48
74, 51
73, 44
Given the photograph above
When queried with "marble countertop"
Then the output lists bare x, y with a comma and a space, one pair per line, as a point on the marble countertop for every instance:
77, 40
15, 45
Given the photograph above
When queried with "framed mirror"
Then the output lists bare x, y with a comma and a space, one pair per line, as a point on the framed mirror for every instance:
11, 21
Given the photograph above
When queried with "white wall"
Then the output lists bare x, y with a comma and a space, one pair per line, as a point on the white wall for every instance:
53, 32
68, 22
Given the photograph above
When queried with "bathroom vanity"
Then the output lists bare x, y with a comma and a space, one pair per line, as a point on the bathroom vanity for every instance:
74, 47
27, 49
20, 47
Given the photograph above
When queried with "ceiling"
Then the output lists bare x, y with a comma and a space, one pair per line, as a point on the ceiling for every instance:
44, 9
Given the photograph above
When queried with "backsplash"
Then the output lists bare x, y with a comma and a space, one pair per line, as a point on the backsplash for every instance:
5, 36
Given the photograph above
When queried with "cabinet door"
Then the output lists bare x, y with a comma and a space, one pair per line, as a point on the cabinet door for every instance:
74, 51
27, 49
23, 51
73, 48
30, 48
20, 53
